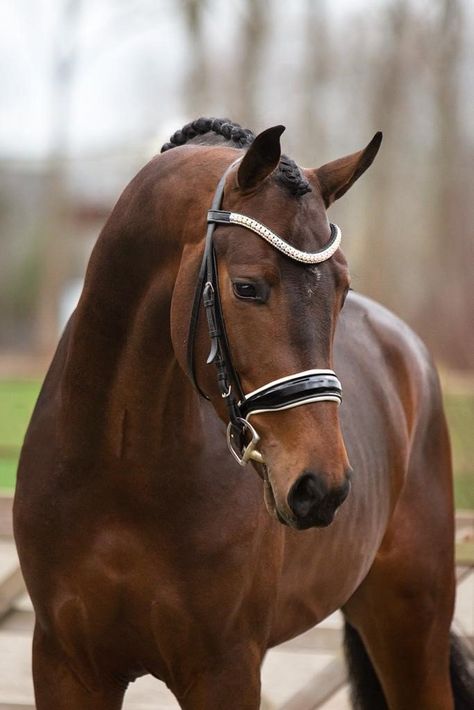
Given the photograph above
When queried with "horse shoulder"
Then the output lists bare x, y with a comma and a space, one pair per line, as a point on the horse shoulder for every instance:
408, 428
394, 356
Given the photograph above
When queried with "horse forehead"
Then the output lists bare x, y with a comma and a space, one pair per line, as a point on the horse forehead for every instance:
301, 221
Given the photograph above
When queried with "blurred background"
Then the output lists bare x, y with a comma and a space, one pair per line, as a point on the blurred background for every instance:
91, 89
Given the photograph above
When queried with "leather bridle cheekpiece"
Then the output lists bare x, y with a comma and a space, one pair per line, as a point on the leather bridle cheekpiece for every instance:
300, 388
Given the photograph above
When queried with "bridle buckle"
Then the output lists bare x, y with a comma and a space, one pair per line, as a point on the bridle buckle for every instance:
243, 453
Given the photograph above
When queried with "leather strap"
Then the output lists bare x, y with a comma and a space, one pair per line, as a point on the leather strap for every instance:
207, 289
201, 280
304, 387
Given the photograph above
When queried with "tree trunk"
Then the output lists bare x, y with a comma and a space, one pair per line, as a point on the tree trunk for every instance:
52, 227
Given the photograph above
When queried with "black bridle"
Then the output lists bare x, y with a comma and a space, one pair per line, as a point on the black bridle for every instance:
284, 393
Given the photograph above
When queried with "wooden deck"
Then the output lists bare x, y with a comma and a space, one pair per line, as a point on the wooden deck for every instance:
303, 674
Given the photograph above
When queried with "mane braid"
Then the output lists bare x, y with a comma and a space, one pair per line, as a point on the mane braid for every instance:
288, 174
230, 131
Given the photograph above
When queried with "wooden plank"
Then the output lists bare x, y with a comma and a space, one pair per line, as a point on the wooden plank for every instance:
465, 553
6, 524
464, 519
11, 580
319, 638
320, 687
15, 671
11, 586
18, 622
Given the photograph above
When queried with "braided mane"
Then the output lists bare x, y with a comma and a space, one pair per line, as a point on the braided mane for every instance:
212, 131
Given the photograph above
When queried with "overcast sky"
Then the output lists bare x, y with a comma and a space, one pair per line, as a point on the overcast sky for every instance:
131, 58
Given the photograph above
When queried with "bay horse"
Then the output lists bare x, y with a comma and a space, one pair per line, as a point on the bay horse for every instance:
178, 518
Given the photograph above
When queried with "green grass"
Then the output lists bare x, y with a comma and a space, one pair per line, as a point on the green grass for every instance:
7, 472
17, 399
460, 414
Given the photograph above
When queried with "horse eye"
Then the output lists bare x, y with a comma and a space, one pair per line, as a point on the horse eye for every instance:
244, 290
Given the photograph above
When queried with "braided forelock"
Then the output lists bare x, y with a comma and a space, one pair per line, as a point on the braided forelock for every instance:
288, 175
291, 177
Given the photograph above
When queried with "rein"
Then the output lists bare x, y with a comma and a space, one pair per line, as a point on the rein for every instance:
292, 391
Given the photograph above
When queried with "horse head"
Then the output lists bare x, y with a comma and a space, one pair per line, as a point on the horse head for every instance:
274, 282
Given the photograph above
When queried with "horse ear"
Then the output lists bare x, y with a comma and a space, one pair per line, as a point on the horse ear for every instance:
261, 159
337, 177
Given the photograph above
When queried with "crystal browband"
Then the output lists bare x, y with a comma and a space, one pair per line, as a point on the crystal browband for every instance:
224, 217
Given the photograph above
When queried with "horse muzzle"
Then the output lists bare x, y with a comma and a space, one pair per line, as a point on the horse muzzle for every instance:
285, 393
313, 503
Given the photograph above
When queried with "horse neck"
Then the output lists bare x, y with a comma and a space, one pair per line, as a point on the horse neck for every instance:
121, 386
123, 394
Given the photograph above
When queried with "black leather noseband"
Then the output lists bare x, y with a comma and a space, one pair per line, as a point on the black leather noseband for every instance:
302, 388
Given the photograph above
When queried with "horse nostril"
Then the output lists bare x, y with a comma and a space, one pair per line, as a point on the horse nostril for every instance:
314, 502
308, 491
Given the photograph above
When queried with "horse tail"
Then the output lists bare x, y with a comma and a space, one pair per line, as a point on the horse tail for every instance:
367, 693
461, 665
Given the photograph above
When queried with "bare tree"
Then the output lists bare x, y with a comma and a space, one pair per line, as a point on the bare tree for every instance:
387, 78
196, 75
253, 28
318, 61
53, 247
450, 267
